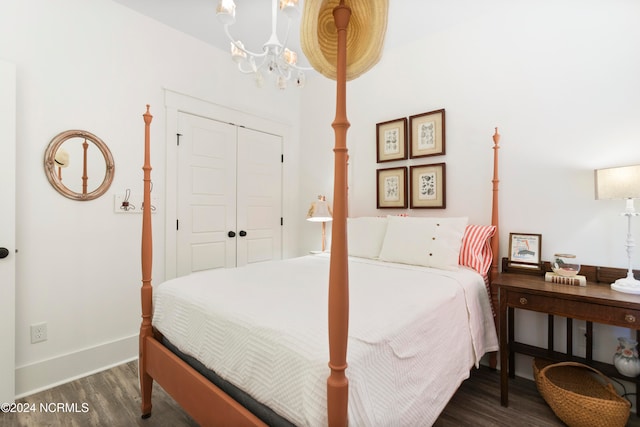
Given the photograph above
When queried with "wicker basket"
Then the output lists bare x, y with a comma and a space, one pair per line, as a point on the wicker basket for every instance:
578, 397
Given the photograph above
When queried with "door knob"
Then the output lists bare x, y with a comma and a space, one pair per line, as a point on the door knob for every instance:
4, 252
231, 234
243, 233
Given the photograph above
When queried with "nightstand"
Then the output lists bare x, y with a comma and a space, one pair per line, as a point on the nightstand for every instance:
596, 302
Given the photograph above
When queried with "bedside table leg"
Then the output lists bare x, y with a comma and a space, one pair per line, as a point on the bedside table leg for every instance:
504, 354
511, 338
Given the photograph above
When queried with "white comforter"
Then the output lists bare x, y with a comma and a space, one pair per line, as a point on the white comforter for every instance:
414, 334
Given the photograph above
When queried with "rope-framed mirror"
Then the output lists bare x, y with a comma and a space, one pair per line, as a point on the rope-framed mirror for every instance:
79, 165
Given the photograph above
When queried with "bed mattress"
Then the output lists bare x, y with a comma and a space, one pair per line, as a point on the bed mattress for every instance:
414, 334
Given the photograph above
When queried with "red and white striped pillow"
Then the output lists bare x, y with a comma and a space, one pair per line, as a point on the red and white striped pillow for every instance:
475, 251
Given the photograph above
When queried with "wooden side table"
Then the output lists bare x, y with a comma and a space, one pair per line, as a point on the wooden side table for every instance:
596, 302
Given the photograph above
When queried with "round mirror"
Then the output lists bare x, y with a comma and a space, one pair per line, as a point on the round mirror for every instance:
79, 165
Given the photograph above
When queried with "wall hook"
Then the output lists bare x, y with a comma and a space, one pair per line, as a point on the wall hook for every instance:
126, 205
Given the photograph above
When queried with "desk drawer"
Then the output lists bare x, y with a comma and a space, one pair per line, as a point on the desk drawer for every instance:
591, 311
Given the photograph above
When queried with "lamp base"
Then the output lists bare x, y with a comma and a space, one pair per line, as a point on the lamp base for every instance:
628, 285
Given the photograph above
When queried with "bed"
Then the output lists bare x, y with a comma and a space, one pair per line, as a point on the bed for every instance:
249, 346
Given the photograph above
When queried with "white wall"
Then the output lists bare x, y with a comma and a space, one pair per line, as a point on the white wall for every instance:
559, 79
94, 66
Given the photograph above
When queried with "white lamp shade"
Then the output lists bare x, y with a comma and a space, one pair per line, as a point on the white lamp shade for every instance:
618, 183
319, 211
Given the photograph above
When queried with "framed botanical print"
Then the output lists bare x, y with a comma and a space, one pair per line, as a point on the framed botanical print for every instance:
428, 186
427, 134
391, 140
391, 188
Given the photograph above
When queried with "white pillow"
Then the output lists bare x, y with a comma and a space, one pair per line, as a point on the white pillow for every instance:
431, 242
365, 236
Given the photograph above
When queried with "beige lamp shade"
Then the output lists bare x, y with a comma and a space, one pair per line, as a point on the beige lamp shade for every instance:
365, 35
618, 183
319, 211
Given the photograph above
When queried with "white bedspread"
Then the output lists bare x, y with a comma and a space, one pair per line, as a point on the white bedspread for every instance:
414, 334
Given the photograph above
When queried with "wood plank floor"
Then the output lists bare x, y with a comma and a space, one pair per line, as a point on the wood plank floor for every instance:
112, 399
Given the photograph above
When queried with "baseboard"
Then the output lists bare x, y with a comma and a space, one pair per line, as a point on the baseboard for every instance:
49, 373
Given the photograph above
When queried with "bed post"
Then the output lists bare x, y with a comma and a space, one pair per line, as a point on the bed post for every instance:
146, 382
495, 240
337, 382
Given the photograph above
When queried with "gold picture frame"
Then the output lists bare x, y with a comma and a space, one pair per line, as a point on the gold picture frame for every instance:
391, 188
428, 136
391, 140
428, 186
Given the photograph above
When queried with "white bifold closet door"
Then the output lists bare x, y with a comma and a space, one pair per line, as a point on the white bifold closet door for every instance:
229, 201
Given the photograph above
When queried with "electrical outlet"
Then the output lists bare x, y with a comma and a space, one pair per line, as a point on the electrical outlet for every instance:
38, 333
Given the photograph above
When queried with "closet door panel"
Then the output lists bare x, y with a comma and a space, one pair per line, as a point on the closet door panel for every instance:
259, 209
206, 197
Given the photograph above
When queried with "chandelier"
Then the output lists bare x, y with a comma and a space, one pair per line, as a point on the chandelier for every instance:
275, 58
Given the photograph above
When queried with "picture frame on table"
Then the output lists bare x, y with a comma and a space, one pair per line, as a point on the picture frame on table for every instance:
428, 186
391, 188
391, 140
524, 252
428, 136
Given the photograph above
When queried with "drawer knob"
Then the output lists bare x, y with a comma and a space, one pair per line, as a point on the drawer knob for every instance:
523, 301
630, 318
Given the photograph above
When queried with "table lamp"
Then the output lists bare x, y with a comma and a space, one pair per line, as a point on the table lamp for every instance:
319, 211
622, 183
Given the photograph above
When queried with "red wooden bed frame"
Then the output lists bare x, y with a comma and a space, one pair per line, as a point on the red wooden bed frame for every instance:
207, 404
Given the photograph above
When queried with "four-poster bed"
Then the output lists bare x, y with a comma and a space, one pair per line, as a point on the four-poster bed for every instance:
273, 361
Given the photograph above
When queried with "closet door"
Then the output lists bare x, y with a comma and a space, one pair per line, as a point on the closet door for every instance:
206, 199
229, 200
259, 207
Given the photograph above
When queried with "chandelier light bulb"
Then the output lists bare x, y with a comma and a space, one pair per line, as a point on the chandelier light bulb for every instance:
281, 82
300, 79
226, 12
290, 8
290, 57
237, 52
259, 79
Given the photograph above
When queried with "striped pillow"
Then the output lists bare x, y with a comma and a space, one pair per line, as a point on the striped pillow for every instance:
475, 251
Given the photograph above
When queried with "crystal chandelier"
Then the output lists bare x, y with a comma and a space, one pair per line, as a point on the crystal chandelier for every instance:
275, 57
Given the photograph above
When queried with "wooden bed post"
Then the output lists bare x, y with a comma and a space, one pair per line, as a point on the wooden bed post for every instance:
146, 381
337, 383
495, 240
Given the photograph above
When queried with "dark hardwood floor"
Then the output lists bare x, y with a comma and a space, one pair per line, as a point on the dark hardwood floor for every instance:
111, 398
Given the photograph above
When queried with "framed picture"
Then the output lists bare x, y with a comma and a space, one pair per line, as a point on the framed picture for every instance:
427, 134
524, 250
391, 139
428, 186
391, 188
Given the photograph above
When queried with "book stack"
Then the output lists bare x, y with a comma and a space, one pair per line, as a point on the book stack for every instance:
576, 280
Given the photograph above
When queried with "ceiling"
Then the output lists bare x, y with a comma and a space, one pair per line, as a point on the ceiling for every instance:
408, 20
198, 19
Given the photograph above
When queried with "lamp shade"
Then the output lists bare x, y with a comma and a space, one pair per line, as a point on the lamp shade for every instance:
618, 183
319, 211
